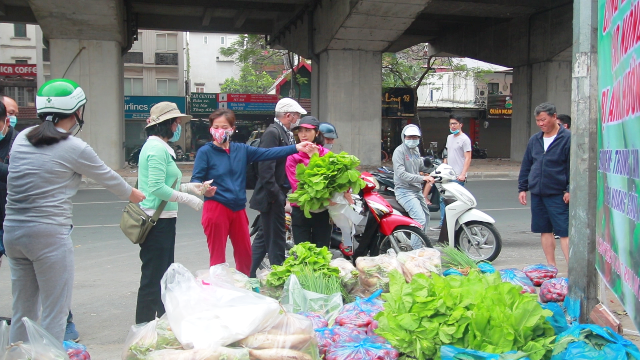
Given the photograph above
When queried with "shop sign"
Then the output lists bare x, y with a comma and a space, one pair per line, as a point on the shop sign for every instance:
203, 104
499, 107
398, 103
21, 70
248, 103
138, 107
618, 203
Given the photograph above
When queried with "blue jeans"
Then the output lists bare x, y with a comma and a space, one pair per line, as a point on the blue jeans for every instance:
442, 202
414, 203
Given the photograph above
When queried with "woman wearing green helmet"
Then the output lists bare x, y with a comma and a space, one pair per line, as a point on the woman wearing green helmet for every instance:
47, 163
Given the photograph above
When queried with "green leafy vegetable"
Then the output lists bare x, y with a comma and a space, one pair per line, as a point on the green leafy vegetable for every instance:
323, 177
321, 283
303, 255
477, 312
454, 258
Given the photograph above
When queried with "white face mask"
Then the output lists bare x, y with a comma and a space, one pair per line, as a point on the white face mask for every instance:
412, 144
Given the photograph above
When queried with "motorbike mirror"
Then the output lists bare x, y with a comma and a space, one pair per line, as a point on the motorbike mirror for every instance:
427, 162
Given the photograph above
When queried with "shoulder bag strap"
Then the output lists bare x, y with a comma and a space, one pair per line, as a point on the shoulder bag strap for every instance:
160, 209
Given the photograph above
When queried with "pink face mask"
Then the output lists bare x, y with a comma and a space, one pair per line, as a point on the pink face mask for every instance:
221, 136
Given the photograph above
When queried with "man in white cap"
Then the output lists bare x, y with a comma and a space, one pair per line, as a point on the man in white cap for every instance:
270, 194
407, 165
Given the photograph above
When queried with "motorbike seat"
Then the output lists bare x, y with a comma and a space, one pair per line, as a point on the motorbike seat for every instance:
394, 204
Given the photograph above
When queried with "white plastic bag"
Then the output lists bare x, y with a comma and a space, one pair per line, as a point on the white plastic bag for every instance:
216, 315
147, 338
344, 217
41, 345
221, 353
421, 261
295, 299
348, 273
4, 337
222, 273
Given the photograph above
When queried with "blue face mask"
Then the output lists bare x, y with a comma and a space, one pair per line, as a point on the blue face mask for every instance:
2, 131
454, 132
176, 134
13, 120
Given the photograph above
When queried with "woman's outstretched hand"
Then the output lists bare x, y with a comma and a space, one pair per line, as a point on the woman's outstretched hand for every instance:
307, 147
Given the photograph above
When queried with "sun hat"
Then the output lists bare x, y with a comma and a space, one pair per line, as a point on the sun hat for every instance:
164, 111
288, 105
308, 122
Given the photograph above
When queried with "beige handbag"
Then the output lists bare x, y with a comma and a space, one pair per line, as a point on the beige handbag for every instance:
136, 224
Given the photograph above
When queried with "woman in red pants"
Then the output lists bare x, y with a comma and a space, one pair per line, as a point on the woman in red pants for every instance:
224, 215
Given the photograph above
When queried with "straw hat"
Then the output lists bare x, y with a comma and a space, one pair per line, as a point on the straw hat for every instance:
164, 111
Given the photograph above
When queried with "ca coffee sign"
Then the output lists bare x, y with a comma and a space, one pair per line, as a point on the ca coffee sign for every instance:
25, 70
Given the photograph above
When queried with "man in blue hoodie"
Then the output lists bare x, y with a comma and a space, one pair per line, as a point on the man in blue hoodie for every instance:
545, 173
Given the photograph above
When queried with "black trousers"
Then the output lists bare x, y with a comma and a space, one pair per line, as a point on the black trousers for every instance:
271, 237
156, 253
316, 230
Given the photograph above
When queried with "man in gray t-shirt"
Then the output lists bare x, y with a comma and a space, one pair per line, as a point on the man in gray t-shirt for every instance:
458, 156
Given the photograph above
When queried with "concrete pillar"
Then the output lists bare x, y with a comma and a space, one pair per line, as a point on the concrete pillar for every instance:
98, 68
583, 277
548, 81
350, 84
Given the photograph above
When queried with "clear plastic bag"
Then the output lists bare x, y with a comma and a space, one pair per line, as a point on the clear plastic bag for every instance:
374, 271
295, 299
220, 353
345, 218
317, 320
554, 290
292, 334
215, 315
421, 261
449, 352
41, 345
152, 336
360, 313
330, 335
517, 277
363, 347
4, 337
540, 273
76, 351
229, 275
348, 273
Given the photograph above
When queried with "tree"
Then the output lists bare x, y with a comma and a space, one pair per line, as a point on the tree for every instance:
249, 82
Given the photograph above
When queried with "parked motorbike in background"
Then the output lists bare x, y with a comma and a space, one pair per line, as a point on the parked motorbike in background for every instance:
465, 227
477, 153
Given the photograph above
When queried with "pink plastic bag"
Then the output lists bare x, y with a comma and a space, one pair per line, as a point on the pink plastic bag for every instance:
554, 290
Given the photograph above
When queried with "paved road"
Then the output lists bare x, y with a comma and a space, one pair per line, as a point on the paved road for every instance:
108, 267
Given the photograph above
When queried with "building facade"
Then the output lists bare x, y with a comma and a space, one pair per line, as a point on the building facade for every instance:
207, 67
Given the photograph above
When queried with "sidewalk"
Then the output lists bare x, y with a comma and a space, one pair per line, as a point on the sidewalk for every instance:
485, 169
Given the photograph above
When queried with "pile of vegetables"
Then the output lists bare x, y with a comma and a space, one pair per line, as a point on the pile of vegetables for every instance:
477, 312
453, 258
303, 256
324, 176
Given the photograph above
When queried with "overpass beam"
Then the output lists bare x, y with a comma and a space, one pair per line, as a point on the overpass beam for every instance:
97, 67
347, 94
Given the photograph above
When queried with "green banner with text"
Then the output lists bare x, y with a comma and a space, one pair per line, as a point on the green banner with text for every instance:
618, 209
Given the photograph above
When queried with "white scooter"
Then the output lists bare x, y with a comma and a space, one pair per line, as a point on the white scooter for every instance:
466, 228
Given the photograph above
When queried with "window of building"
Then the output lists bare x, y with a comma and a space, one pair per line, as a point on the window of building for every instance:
222, 40
133, 86
205, 40
493, 88
167, 87
137, 45
24, 96
20, 30
167, 42
200, 89
22, 61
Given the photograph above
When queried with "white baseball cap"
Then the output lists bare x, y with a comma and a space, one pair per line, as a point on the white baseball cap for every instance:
412, 130
288, 105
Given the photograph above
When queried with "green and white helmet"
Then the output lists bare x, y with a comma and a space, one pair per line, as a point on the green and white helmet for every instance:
60, 96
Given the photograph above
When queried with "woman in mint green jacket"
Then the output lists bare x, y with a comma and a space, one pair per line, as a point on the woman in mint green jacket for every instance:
159, 179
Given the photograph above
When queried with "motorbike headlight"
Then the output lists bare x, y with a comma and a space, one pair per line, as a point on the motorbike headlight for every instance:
468, 200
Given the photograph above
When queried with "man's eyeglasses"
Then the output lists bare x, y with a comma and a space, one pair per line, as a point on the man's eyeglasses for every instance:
454, 124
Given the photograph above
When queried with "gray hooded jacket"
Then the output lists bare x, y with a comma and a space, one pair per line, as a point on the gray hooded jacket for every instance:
407, 165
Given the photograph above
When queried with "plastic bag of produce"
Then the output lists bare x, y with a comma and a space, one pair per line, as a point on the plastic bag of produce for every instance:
517, 277
371, 329
41, 346
374, 271
593, 342
540, 273
76, 351
317, 320
452, 272
216, 315
449, 352
327, 336
486, 268
362, 347
293, 335
231, 276
360, 313
345, 218
554, 290
147, 337
295, 299
421, 261
558, 320
348, 273
220, 353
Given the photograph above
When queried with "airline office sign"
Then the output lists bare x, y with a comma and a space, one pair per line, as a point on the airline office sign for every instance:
26, 70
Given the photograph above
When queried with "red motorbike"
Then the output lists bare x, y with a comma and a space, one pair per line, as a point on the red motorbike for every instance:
384, 227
